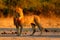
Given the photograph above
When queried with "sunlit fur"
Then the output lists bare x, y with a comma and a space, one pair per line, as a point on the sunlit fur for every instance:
22, 21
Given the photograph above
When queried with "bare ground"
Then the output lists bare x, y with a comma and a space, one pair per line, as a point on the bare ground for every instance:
8, 35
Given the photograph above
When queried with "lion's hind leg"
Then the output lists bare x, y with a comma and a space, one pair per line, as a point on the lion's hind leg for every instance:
33, 28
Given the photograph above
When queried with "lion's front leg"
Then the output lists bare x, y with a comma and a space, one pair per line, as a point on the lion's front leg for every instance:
21, 29
18, 31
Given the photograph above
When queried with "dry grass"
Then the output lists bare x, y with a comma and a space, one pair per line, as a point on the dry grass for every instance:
52, 22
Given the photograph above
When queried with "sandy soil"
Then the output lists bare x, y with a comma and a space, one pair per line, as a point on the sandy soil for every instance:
8, 35
25, 36
28, 38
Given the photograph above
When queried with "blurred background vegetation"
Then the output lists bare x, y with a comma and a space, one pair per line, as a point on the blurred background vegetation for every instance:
44, 7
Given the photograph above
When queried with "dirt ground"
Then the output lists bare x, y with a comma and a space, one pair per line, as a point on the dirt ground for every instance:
29, 38
36, 36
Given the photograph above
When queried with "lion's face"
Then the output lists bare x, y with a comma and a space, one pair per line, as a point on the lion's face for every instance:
20, 11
